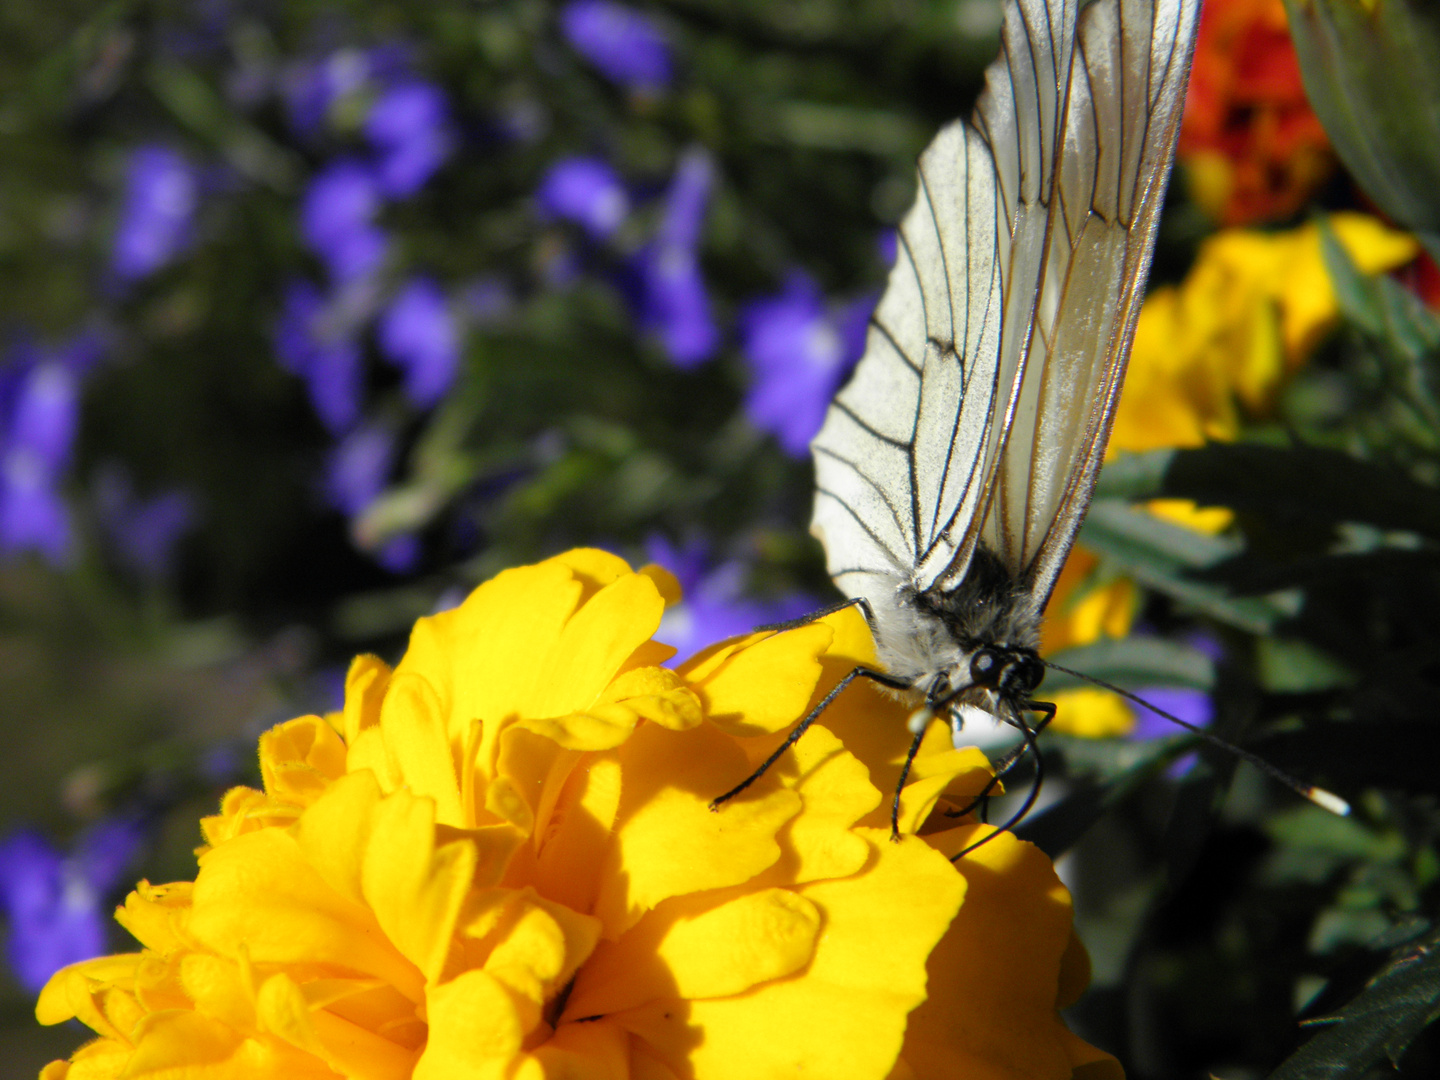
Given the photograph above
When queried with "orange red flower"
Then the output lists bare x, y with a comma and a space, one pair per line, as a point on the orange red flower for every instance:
1251, 147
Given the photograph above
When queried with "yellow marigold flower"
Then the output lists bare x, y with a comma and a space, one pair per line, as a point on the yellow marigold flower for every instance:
1082, 610
1249, 312
499, 861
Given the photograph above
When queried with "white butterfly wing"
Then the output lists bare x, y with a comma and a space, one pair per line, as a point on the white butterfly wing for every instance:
994, 359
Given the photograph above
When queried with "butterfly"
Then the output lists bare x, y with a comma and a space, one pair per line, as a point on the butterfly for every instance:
954, 469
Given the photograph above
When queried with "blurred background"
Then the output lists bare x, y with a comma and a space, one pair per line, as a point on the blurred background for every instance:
314, 316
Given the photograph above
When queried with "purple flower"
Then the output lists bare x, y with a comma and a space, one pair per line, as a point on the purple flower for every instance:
161, 193
1192, 706
329, 360
418, 333
885, 245
144, 532
400, 554
799, 351
313, 89
623, 43
358, 468
33, 515
52, 902
670, 297
714, 605
409, 126
46, 414
337, 220
584, 190
41, 403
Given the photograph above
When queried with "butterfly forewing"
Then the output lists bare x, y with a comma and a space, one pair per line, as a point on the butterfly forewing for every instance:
993, 363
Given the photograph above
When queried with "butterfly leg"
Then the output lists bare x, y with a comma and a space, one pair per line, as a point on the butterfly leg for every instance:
804, 726
1009, 761
1029, 733
900, 785
806, 620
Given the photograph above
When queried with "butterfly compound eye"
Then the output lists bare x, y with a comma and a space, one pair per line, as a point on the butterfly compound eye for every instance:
984, 667
1027, 674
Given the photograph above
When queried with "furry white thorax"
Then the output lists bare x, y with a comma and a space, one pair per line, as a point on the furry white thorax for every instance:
930, 642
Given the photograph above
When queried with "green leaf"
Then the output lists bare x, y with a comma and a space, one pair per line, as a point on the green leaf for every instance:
1161, 556
1289, 666
1377, 1025
1135, 476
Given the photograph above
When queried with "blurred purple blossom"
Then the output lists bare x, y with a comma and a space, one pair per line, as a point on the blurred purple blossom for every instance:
670, 297
714, 605
358, 468
53, 902
161, 194
799, 351
622, 42
39, 416
418, 333
314, 88
337, 220
1192, 706
143, 532
399, 554
587, 191
885, 245
409, 127
328, 360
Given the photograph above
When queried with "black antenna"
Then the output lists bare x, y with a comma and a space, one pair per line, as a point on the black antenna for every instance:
1326, 800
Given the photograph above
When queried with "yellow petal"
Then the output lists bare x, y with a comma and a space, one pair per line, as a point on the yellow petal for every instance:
475, 1031
596, 641
593, 1051
764, 686
187, 1044
420, 739
365, 686
1092, 713
666, 583
593, 567
102, 1059
1205, 519
333, 833
676, 706
299, 758
577, 835
69, 993
667, 841
834, 793
220, 988
484, 658
603, 727
258, 895
867, 973
991, 1009
415, 888
350, 1050
692, 947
